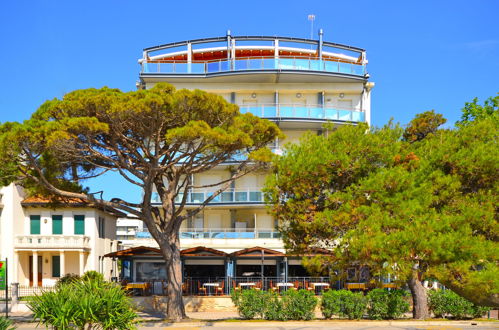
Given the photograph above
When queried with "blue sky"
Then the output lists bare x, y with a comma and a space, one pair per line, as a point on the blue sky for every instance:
422, 54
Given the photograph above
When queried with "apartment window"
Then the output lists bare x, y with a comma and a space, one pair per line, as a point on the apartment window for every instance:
102, 227
34, 225
56, 266
57, 224
79, 224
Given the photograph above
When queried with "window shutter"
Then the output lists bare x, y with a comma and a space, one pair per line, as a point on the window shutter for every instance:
34, 225
56, 266
79, 225
57, 224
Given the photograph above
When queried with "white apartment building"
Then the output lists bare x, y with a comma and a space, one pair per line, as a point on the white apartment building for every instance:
300, 84
42, 243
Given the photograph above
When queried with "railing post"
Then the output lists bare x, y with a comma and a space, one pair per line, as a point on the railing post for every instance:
15, 292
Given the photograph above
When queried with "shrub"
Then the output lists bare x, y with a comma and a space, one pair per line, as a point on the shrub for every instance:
446, 303
292, 305
92, 275
84, 304
385, 305
67, 279
249, 303
343, 303
5, 324
299, 304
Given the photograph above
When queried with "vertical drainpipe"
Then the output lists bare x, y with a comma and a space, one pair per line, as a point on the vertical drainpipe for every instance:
229, 49
189, 57
276, 102
321, 33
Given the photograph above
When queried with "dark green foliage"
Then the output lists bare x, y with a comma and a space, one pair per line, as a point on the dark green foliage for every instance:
68, 279
6, 324
92, 275
84, 304
343, 303
387, 305
291, 305
299, 304
249, 303
445, 303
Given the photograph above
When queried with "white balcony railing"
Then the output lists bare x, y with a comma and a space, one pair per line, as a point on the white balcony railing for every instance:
52, 241
305, 112
228, 233
229, 196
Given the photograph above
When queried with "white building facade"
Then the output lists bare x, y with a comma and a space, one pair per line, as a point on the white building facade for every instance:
300, 84
43, 243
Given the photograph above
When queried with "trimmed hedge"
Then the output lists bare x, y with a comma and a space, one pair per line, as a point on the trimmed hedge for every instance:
446, 303
387, 305
343, 303
292, 305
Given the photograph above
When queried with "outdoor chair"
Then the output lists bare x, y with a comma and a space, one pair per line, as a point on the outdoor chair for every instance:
201, 289
219, 290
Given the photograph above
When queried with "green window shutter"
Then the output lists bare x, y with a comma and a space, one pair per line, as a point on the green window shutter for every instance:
79, 225
56, 266
57, 224
34, 224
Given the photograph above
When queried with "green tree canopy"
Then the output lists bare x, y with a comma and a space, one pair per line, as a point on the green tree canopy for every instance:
417, 208
156, 139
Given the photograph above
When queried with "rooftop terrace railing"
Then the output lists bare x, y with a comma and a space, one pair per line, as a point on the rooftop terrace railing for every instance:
310, 112
253, 64
229, 233
198, 196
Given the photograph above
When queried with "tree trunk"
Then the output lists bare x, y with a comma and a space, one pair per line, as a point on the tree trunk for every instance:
419, 297
175, 306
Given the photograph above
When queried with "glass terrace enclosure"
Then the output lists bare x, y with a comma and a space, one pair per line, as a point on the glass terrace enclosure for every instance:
233, 54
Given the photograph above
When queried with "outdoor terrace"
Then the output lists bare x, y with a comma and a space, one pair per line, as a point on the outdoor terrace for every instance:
239, 54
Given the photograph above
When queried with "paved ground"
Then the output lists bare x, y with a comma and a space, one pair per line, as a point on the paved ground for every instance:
218, 321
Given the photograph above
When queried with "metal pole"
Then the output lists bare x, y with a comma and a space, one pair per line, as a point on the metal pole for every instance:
7, 288
262, 268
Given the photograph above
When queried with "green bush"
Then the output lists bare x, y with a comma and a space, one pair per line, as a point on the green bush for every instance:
343, 303
249, 303
68, 279
386, 305
92, 275
84, 304
292, 305
299, 304
5, 324
446, 303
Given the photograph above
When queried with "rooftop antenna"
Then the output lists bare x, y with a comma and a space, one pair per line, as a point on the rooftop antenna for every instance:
311, 18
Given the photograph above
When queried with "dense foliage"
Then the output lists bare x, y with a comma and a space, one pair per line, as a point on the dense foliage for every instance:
6, 324
269, 305
445, 303
387, 305
156, 139
416, 203
82, 304
343, 304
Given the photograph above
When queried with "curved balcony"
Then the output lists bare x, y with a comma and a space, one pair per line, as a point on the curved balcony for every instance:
253, 64
301, 112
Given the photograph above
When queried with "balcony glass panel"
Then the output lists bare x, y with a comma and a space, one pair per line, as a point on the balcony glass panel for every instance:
227, 196
164, 67
181, 67
270, 63
269, 111
286, 63
241, 196
301, 112
197, 67
255, 64
197, 197
255, 196
316, 113
213, 67
331, 114
345, 115
286, 111
241, 64
331, 66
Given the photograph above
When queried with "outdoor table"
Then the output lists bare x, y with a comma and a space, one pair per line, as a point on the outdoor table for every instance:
284, 285
247, 285
319, 287
355, 286
137, 285
210, 287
